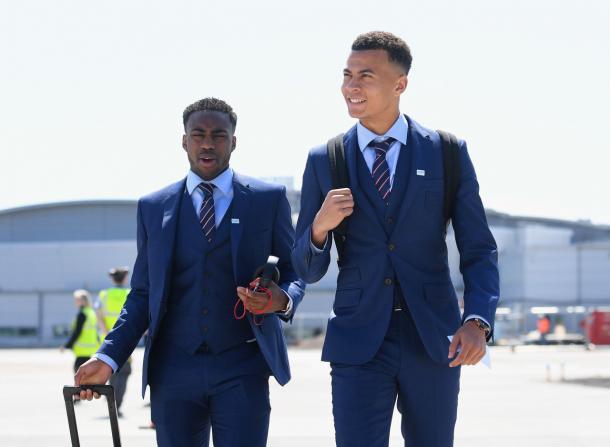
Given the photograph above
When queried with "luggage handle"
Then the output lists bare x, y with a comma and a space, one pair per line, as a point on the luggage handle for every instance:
105, 390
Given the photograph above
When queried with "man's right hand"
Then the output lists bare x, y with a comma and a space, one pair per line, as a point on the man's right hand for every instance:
337, 205
92, 372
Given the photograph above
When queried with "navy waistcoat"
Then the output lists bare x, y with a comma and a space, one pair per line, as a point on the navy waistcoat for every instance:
387, 214
203, 289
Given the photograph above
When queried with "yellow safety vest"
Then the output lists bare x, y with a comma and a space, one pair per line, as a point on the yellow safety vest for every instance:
111, 303
87, 342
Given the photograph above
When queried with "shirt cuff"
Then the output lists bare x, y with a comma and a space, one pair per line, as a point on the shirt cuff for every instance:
473, 316
315, 249
286, 313
107, 360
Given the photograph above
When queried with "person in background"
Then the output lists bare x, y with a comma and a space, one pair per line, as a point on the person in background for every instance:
84, 340
108, 307
544, 327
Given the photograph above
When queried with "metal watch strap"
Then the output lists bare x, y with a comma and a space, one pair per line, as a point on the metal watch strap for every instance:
482, 325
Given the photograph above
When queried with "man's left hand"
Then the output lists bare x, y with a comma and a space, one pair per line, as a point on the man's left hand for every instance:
256, 302
471, 342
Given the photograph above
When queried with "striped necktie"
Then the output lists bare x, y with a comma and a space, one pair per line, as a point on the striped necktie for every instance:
206, 212
381, 170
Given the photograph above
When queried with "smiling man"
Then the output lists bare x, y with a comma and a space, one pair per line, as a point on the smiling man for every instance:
199, 242
395, 307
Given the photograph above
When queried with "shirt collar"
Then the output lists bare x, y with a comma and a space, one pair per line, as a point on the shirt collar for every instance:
398, 131
222, 182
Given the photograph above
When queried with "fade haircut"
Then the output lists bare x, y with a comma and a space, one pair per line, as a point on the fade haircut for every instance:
212, 105
398, 51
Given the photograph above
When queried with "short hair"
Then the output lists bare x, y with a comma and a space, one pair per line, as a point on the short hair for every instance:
82, 295
397, 49
212, 105
118, 274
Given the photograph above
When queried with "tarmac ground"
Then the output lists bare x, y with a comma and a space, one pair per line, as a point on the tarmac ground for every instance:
539, 396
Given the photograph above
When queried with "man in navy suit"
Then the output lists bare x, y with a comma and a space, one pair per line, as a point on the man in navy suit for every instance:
395, 306
199, 242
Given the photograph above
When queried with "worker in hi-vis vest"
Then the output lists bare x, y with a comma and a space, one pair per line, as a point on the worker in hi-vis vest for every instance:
108, 307
84, 339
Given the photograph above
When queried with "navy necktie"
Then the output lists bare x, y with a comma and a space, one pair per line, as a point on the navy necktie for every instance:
207, 218
381, 170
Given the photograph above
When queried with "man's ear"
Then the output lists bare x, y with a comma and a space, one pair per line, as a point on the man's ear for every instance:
184, 142
401, 85
234, 143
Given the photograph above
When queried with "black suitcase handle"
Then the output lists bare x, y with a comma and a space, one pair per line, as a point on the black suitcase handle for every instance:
104, 390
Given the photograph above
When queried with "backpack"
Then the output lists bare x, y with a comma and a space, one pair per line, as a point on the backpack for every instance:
340, 179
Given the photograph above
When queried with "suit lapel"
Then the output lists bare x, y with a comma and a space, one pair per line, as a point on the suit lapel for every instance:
240, 211
360, 199
171, 207
419, 144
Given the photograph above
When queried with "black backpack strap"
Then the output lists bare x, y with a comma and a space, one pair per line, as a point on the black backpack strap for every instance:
451, 172
340, 179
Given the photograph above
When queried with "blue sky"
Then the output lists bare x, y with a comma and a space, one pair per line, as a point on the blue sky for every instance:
92, 93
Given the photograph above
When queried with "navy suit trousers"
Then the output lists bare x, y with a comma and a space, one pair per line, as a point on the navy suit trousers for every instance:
427, 392
227, 392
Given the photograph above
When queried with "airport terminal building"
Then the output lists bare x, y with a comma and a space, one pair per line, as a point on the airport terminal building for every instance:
49, 250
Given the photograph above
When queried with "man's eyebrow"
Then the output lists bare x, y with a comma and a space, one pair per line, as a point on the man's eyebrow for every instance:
219, 130
363, 71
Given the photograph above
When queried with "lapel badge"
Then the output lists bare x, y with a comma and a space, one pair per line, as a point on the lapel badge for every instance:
421, 172
234, 221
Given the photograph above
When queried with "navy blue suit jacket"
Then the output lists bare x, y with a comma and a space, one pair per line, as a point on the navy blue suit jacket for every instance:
264, 228
418, 253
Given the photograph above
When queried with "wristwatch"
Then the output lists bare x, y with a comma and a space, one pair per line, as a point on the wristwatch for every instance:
482, 326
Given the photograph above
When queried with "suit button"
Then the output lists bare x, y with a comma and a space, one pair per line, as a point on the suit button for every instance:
391, 247
205, 329
205, 311
387, 281
390, 221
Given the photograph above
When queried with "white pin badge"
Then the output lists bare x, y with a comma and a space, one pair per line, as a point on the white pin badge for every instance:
234, 221
421, 172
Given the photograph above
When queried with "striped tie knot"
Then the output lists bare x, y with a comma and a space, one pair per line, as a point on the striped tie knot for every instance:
206, 188
382, 146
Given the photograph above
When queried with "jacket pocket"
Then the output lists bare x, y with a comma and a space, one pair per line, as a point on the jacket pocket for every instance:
346, 298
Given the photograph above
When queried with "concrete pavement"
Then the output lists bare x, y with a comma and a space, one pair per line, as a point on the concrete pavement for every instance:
511, 404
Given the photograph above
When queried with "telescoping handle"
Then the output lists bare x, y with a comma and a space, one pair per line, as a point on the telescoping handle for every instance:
104, 390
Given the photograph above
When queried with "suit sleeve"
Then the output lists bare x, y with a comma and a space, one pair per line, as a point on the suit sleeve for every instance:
477, 247
133, 319
310, 264
283, 239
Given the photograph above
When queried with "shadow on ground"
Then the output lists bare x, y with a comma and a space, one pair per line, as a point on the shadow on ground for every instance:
598, 382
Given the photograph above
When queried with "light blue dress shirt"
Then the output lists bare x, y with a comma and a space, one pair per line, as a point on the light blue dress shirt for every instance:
398, 131
223, 192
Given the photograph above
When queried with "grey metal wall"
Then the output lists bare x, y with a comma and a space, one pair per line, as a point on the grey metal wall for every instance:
48, 251
73, 221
